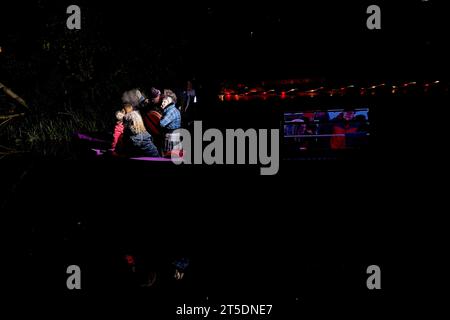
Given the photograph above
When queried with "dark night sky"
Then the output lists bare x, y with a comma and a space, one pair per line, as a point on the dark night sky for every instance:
232, 40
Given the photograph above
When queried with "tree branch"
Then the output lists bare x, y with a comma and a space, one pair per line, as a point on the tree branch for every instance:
10, 93
11, 116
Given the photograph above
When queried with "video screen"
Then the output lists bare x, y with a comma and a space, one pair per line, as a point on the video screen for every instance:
326, 131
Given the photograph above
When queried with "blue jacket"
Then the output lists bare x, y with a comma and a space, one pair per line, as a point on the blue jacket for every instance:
171, 119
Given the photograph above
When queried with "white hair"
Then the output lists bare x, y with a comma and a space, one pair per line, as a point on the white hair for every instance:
133, 97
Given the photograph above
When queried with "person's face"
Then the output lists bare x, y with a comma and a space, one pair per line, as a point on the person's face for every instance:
166, 101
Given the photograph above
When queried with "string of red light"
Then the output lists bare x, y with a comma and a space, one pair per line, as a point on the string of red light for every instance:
233, 94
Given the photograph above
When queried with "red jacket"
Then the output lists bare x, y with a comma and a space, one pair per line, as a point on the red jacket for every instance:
118, 135
339, 141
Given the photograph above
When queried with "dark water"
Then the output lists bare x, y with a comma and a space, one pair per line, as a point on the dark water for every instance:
309, 232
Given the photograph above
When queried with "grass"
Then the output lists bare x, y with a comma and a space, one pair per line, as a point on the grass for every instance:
50, 133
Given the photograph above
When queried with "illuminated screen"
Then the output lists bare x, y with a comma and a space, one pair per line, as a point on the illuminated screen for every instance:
326, 130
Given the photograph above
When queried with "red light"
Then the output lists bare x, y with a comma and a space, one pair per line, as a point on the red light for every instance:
130, 259
283, 95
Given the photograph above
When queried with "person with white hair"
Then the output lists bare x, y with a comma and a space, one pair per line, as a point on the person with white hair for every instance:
135, 98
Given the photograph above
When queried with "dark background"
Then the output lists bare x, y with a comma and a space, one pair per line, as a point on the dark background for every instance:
310, 231
303, 39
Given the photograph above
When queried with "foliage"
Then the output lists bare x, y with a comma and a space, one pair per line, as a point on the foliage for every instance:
72, 80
